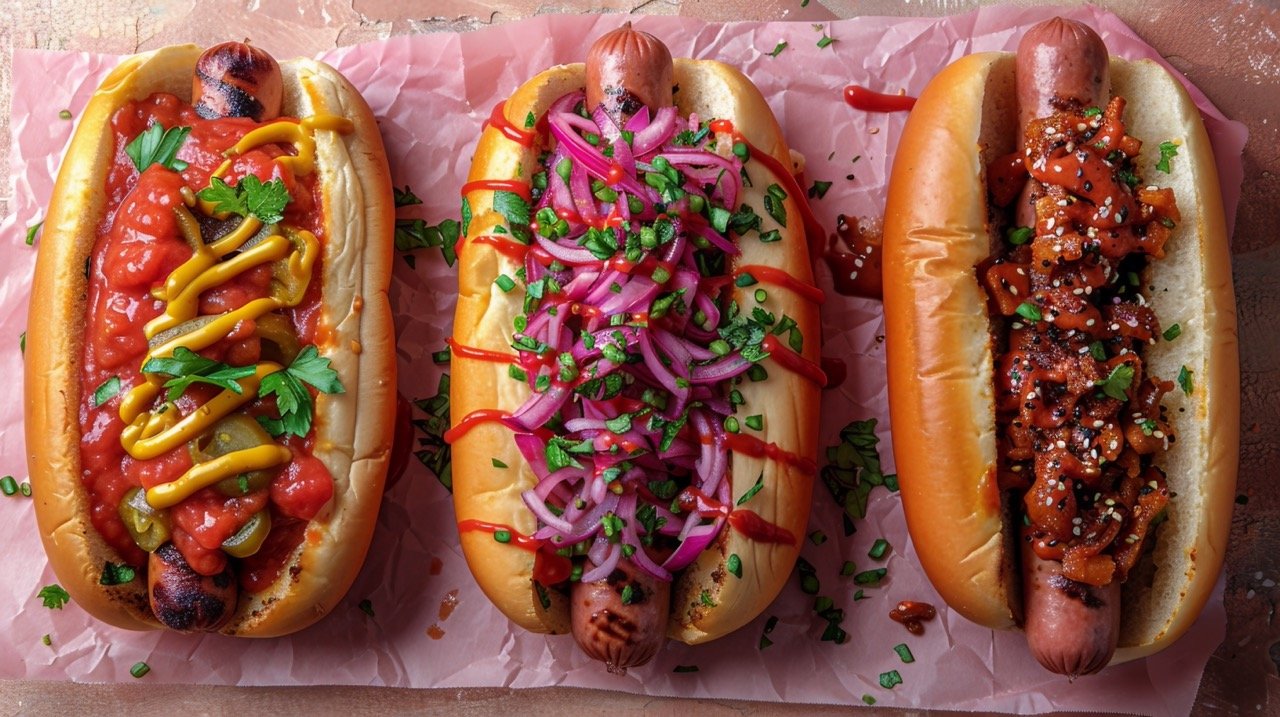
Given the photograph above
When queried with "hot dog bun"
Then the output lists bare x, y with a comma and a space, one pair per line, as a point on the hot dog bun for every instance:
352, 429
940, 358
484, 318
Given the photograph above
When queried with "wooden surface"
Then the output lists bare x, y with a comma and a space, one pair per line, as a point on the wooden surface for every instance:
1231, 50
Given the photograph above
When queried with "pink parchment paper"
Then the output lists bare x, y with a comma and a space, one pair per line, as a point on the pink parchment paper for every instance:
431, 94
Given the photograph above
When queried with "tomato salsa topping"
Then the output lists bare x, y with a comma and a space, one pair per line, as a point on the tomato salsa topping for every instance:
201, 363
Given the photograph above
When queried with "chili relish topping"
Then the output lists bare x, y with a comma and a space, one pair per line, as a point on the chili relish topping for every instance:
631, 342
1080, 419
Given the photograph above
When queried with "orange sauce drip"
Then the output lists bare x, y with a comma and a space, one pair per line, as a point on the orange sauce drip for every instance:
792, 361
498, 120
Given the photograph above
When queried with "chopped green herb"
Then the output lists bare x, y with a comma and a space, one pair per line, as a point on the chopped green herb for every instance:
139, 670
1019, 235
778, 48
106, 391
1117, 382
878, 548
404, 197
113, 574
817, 537
293, 400
755, 423
685, 668
745, 279
824, 41
32, 231
751, 493
502, 536
53, 596
157, 145
770, 236
1029, 311
1168, 150
765, 642
366, 606
411, 234
1185, 380
1098, 351
890, 679
1093, 112
904, 653
64, 114
442, 356
505, 283
773, 204
1172, 332
530, 121
22, 342
848, 568
25, 489
46, 638
497, 463
868, 699
819, 189
8, 486
734, 565
870, 577
628, 594
249, 197
705, 598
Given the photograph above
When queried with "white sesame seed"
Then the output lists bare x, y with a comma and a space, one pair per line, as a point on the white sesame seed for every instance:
1158, 434
1090, 322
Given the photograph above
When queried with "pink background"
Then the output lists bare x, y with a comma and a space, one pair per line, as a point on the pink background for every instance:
431, 93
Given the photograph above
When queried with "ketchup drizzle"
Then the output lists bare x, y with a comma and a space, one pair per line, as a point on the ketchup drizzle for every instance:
861, 98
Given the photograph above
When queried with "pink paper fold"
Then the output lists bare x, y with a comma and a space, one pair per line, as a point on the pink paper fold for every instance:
431, 94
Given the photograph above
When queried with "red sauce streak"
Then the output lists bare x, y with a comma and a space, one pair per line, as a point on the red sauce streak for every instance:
504, 245
835, 369
498, 185
473, 419
853, 255
469, 352
401, 441
861, 98
498, 120
793, 361
752, 446
753, 527
784, 176
778, 277
1006, 177
548, 568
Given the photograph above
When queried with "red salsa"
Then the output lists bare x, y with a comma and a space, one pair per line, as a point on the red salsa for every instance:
139, 244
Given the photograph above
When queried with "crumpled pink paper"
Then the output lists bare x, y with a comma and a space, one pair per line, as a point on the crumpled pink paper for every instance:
431, 627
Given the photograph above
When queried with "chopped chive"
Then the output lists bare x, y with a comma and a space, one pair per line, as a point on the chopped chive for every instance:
32, 231
139, 670
1098, 351
8, 485
870, 577
366, 606
1029, 311
1185, 381
849, 568
745, 279
778, 48
442, 356
1172, 332
751, 493
825, 41
25, 489
761, 296
890, 679
817, 537
756, 422
502, 536
904, 652
878, 548
505, 283
734, 565
497, 463
106, 391
868, 699
47, 640
1018, 236
65, 114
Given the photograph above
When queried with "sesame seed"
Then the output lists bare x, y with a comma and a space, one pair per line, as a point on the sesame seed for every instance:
1090, 322
1158, 434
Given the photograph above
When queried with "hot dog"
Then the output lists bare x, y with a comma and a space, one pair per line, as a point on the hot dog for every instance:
1049, 275
209, 371
634, 353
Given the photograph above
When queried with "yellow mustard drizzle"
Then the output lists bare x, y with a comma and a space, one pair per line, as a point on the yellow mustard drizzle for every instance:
151, 432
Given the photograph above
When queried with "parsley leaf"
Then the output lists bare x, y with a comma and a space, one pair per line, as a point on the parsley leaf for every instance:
515, 210
1168, 150
113, 574
157, 145
188, 367
751, 493
819, 189
53, 596
417, 234
405, 197
248, 197
1119, 380
106, 391
292, 398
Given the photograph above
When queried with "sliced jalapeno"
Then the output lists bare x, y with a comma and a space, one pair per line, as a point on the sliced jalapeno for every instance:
279, 342
148, 527
249, 538
236, 432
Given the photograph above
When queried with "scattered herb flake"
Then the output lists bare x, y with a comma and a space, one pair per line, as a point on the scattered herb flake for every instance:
1168, 150
685, 668
1117, 382
113, 574
1185, 380
778, 48
1172, 332
890, 679
32, 231
734, 565
825, 40
106, 391
366, 606
139, 670
53, 596
751, 493
819, 189
878, 548
870, 577
904, 653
